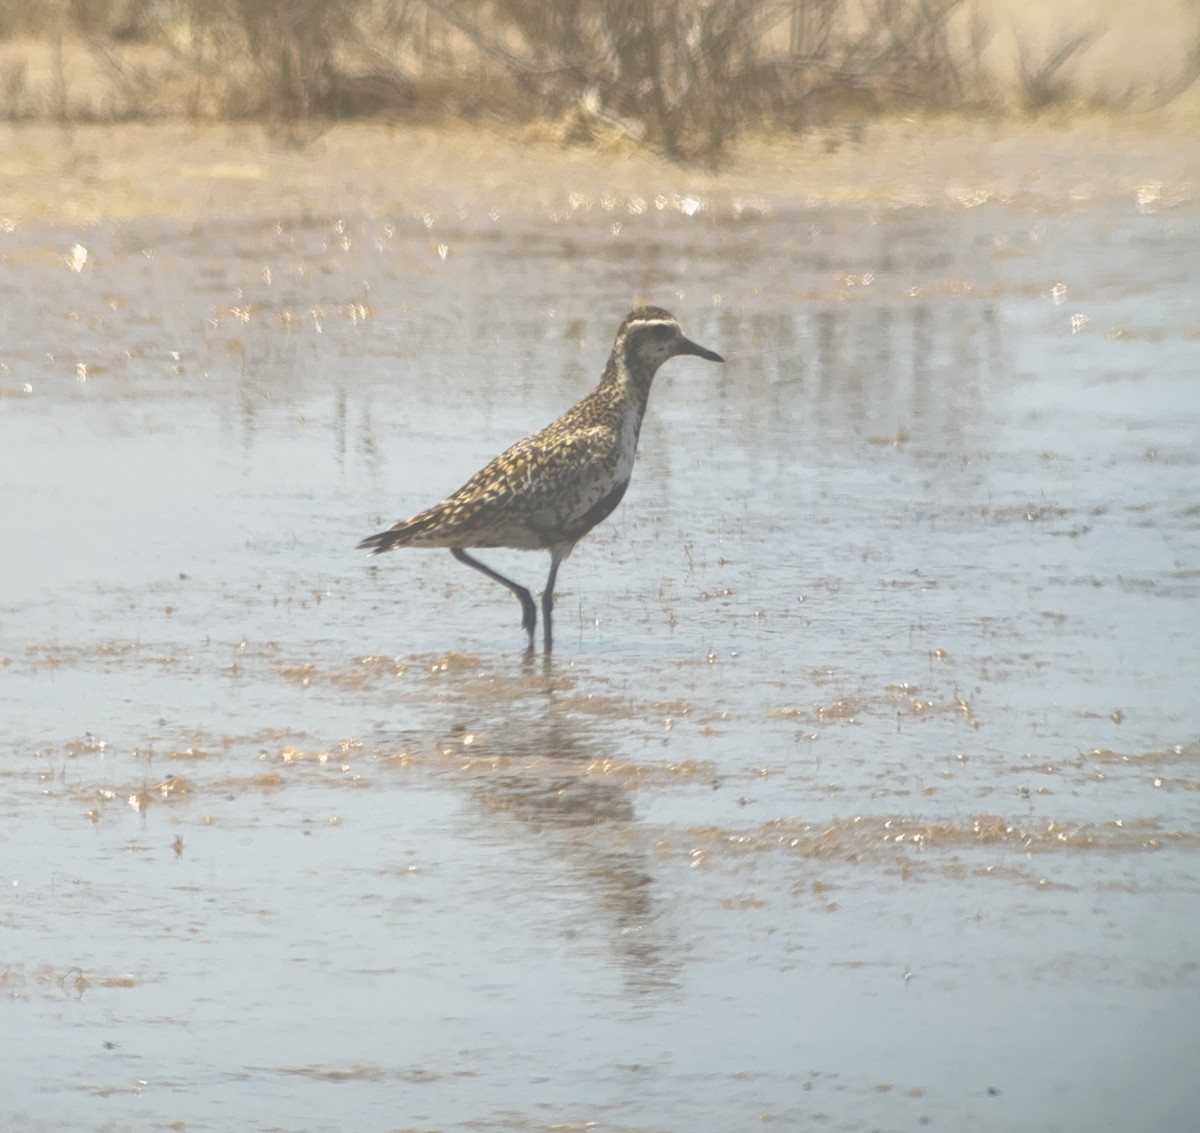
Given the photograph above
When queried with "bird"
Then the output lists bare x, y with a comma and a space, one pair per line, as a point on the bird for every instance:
549, 490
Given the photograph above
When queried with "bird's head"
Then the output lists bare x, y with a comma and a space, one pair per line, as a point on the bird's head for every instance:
648, 337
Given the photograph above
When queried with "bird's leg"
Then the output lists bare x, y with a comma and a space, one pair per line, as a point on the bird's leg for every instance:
556, 557
528, 609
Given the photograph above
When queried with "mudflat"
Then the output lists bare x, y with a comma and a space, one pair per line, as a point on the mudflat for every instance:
863, 787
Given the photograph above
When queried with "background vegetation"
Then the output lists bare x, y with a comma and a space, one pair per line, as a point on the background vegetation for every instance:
681, 76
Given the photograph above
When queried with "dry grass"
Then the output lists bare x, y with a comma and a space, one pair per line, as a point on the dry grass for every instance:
682, 77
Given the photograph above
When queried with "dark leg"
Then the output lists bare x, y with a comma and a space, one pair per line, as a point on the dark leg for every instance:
528, 609
548, 600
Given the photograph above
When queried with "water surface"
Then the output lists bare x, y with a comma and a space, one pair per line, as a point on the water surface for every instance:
862, 790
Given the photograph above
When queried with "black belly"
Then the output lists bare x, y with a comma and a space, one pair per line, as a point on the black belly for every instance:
599, 511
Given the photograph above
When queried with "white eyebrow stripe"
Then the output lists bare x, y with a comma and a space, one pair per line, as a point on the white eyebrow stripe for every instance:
652, 323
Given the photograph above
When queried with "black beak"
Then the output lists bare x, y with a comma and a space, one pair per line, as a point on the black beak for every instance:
687, 346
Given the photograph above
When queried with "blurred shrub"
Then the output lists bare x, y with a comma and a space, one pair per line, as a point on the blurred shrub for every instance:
681, 76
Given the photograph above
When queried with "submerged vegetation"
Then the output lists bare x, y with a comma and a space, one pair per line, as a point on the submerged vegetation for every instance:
683, 77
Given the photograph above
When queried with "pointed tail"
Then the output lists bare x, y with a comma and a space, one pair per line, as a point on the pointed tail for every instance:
406, 532
380, 542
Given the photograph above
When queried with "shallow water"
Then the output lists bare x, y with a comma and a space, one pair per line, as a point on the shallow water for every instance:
862, 790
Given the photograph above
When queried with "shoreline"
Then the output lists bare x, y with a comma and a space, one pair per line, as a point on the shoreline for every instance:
106, 173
